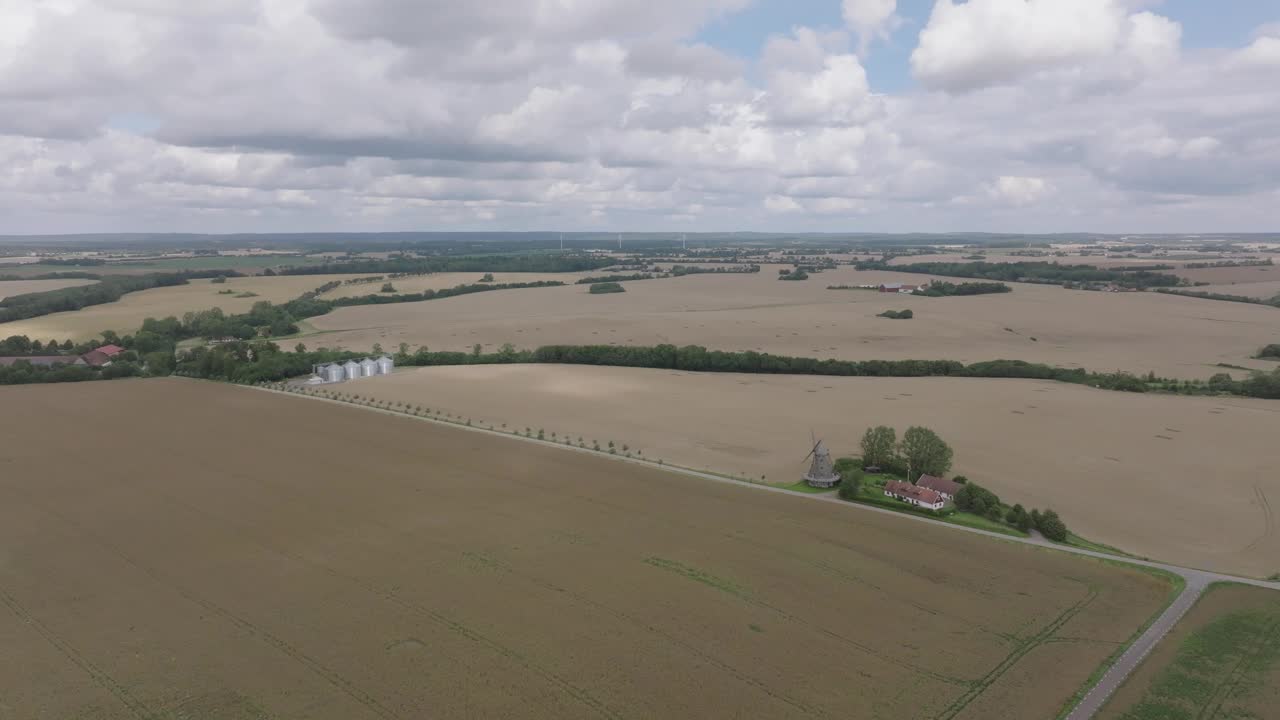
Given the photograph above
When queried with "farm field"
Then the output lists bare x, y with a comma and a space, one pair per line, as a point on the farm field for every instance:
1234, 276
1262, 290
126, 314
346, 564
440, 281
1138, 332
1186, 480
9, 288
1221, 661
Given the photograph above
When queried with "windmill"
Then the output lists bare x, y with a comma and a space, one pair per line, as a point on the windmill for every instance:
822, 474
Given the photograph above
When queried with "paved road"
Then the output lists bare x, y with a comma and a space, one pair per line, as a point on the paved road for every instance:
1196, 580
1115, 676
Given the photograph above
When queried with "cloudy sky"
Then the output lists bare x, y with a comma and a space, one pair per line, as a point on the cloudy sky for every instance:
861, 115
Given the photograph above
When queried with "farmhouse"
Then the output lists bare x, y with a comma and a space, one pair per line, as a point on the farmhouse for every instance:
102, 357
911, 494
898, 288
946, 488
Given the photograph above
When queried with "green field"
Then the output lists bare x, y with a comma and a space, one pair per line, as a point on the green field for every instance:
1222, 661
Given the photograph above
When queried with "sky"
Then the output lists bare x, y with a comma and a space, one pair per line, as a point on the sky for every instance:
639, 115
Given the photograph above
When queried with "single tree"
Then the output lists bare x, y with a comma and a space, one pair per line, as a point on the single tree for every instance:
1052, 527
877, 445
924, 452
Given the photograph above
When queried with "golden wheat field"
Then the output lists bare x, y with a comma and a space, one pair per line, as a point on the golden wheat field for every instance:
9, 288
1188, 480
1136, 332
126, 314
285, 557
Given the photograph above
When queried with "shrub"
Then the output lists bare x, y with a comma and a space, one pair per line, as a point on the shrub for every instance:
1051, 526
897, 314
850, 484
606, 287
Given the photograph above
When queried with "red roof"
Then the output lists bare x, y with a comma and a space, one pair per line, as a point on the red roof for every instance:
110, 350
919, 494
941, 485
96, 358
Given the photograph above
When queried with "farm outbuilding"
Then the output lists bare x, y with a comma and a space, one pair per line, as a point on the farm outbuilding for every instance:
368, 367
352, 370
386, 365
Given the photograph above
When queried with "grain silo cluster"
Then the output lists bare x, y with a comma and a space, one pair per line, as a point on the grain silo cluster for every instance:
352, 369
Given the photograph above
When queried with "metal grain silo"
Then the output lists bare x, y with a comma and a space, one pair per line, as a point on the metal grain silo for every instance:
386, 365
368, 367
333, 372
352, 369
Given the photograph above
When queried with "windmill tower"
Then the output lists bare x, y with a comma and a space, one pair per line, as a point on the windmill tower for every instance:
822, 474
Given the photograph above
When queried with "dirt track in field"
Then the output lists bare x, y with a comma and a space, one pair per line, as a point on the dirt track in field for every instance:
1179, 479
1138, 332
222, 552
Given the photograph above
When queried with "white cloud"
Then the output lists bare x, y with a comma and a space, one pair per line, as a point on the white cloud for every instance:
1017, 190
871, 20
399, 114
991, 42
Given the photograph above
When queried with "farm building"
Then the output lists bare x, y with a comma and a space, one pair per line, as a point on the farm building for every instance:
352, 370
368, 367
946, 488
43, 360
102, 356
898, 288
386, 365
913, 495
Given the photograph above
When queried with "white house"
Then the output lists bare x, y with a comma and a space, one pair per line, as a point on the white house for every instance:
912, 495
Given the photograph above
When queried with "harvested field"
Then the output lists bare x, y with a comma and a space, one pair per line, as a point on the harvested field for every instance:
1262, 290
345, 564
1235, 276
1139, 332
126, 314
1187, 480
9, 288
440, 281
1221, 661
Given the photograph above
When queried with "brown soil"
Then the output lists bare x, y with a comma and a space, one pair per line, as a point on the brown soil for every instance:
180, 549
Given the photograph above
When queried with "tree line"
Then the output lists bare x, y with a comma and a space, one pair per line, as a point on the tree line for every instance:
546, 263
108, 289
1225, 297
939, 288
1034, 272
